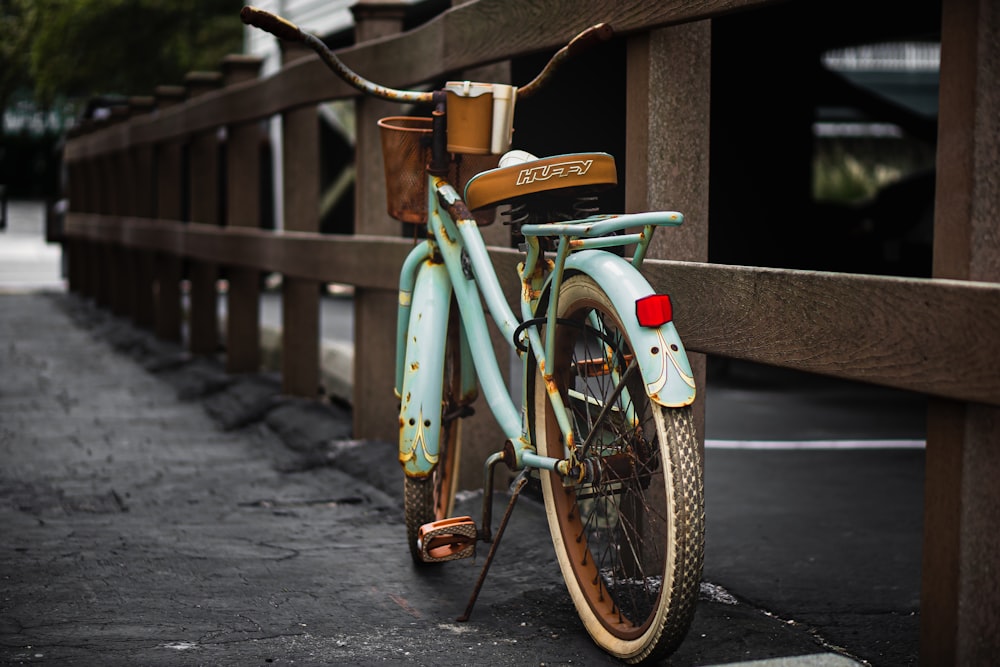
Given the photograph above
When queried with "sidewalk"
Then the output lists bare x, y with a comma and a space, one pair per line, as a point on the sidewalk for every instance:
159, 512
26, 261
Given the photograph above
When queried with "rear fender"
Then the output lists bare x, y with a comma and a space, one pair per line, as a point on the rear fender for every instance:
663, 362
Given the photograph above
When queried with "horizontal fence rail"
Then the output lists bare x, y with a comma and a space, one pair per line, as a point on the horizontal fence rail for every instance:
945, 341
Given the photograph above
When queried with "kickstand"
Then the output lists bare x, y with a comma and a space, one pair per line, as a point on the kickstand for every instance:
518, 485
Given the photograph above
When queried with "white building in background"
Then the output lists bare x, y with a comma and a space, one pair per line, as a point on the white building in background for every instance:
322, 18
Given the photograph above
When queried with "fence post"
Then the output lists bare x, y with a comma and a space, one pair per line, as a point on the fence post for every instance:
243, 147
106, 205
140, 164
667, 139
167, 267
120, 192
83, 188
73, 248
481, 435
300, 298
89, 258
375, 410
960, 598
203, 184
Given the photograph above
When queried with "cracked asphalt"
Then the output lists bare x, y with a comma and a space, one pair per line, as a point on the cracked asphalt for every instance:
155, 511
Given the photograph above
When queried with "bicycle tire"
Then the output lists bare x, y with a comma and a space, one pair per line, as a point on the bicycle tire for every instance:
650, 506
432, 498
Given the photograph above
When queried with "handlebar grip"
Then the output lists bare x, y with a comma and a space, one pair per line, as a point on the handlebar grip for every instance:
268, 22
585, 40
590, 37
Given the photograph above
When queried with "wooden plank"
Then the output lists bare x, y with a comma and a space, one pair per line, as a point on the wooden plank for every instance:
300, 362
243, 167
466, 36
88, 201
925, 335
142, 307
960, 600
167, 266
203, 179
102, 267
72, 248
669, 78
126, 177
376, 412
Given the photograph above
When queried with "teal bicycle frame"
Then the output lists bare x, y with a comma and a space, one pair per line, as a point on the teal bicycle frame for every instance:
454, 262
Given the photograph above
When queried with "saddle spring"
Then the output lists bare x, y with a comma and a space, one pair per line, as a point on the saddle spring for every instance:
539, 210
585, 206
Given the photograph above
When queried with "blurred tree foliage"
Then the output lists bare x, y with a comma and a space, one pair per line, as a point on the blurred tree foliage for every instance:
18, 20
82, 48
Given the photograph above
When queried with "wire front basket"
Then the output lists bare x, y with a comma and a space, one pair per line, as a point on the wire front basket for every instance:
406, 152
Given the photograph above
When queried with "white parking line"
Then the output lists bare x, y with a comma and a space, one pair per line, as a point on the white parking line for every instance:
814, 660
814, 444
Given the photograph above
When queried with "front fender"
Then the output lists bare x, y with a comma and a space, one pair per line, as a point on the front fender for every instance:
423, 371
666, 371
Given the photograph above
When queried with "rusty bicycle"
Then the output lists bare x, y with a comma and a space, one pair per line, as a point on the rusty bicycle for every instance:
605, 419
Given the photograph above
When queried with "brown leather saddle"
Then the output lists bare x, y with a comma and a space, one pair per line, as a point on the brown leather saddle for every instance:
572, 171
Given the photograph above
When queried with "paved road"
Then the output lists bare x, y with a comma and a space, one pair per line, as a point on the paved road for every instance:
156, 511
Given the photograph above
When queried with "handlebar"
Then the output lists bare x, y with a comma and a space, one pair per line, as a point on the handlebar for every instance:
288, 31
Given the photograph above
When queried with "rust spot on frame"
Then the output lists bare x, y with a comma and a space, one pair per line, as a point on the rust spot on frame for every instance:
550, 384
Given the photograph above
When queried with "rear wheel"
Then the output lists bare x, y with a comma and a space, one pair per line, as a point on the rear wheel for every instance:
431, 498
630, 543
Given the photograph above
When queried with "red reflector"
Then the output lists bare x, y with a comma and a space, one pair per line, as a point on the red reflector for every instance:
654, 310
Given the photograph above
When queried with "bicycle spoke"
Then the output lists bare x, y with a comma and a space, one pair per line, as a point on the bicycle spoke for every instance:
607, 407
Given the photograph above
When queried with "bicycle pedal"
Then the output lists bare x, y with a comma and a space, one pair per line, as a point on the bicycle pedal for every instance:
447, 539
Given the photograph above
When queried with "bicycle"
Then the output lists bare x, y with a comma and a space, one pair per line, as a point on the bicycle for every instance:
605, 416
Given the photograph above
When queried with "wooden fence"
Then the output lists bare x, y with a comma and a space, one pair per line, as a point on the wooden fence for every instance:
128, 239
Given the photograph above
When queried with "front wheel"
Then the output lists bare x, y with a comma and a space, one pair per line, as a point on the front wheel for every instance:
630, 543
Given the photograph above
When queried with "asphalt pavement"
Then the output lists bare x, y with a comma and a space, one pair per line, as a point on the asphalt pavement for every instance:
156, 511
